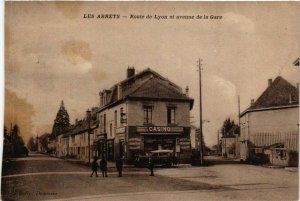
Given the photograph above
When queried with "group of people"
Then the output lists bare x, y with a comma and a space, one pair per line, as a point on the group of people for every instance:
103, 166
119, 166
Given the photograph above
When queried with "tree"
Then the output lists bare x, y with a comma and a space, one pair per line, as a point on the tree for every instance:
17, 141
31, 145
7, 145
229, 128
61, 121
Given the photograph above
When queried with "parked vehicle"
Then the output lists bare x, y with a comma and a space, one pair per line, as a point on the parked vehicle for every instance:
164, 158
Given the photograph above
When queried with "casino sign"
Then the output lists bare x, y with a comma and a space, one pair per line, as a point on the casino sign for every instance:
159, 129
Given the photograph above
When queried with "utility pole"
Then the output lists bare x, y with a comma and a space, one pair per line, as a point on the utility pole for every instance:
88, 114
218, 143
200, 112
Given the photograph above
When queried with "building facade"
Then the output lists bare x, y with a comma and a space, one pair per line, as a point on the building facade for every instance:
273, 118
77, 140
142, 113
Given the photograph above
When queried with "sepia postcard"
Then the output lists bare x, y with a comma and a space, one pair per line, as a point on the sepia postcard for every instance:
151, 101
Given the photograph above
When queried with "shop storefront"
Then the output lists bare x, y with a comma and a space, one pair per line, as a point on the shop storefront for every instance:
119, 142
110, 150
101, 145
143, 139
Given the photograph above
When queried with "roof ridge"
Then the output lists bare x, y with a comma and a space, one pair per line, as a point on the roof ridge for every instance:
279, 89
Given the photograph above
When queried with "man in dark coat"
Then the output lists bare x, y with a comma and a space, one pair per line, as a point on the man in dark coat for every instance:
103, 166
151, 165
119, 165
94, 167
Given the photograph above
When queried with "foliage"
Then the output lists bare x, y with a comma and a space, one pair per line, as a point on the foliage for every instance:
13, 142
229, 128
61, 121
32, 145
43, 139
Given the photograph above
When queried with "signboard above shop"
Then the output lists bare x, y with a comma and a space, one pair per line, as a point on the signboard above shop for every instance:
159, 129
134, 143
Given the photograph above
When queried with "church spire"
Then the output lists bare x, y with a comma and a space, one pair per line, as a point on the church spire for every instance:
62, 104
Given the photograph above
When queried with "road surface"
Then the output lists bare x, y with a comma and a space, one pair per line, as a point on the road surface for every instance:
40, 177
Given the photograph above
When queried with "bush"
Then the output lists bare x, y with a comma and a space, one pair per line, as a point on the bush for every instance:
258, 158
293, 158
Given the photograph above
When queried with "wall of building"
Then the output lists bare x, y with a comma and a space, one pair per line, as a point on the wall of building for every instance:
110, 120
274, 121
159, 113
264, 128
269, 121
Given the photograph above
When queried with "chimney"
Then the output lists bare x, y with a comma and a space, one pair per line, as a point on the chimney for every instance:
297, 85
269, 82
101, 98
187, 91
119, 91
252, 102
130, 71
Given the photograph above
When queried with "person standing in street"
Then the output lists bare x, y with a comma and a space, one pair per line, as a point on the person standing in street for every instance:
103, 166
119, 165
94, 167
151, 165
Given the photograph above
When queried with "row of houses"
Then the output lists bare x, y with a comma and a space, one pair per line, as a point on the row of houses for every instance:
270, 126
142, 113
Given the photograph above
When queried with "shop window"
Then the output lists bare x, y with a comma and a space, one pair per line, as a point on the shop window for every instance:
122, 116
171, 115
147, 114
121, 112
280, 154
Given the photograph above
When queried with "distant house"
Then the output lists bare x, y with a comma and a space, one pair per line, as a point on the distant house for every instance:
74, 141
42, 143
272, 118
229, 143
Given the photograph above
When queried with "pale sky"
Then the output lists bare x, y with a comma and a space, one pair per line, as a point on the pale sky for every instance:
54, 54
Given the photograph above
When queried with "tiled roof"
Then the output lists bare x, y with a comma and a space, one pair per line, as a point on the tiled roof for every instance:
279, 94
80, 127
157, 88
146, 84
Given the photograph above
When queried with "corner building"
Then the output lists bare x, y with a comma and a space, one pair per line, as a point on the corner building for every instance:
142, 113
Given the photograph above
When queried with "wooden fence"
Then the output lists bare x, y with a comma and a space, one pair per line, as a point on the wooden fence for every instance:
290, 140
